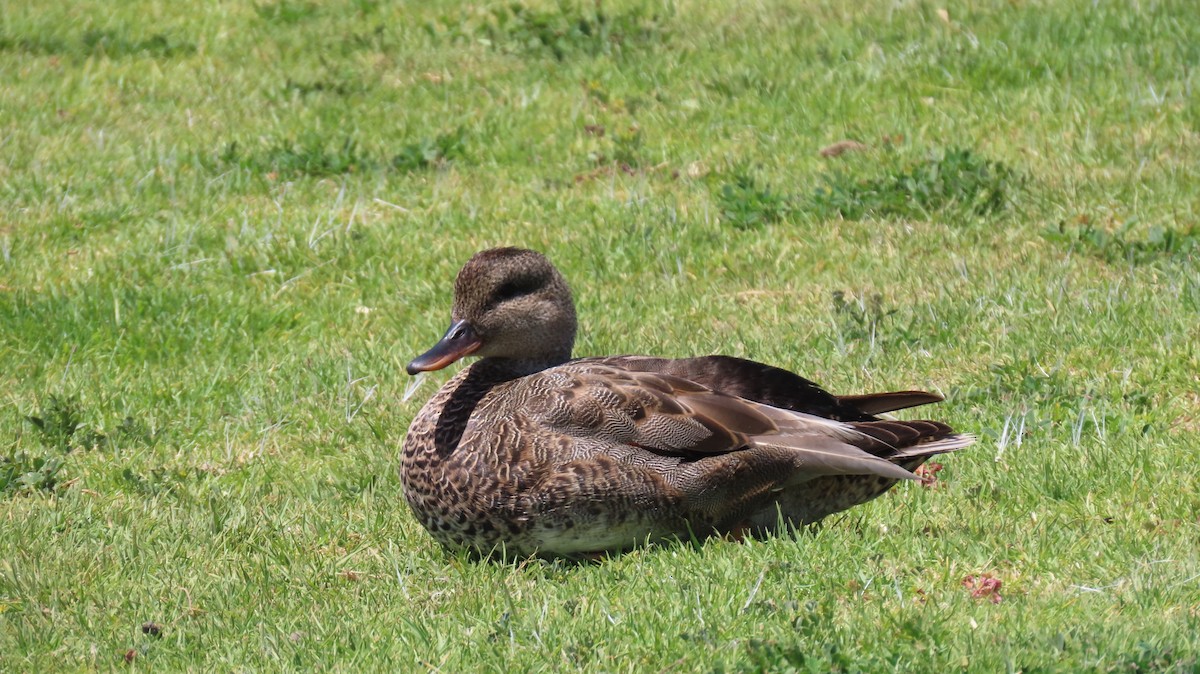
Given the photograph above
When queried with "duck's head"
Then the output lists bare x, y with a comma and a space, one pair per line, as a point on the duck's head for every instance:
508, 303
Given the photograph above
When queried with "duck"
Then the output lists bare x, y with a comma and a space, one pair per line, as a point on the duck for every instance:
531, 452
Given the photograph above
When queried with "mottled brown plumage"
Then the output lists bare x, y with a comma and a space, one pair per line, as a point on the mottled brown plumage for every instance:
531, 452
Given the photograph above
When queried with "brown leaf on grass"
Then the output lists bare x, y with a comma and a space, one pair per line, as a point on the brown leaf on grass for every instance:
605, 170
609, 169
984, 586
842, 147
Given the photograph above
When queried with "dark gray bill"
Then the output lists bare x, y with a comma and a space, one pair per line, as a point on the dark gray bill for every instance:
458, 342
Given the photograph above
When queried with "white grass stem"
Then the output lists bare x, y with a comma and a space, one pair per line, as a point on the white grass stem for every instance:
754, 591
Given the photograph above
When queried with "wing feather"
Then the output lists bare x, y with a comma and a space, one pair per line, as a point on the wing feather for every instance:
678, 417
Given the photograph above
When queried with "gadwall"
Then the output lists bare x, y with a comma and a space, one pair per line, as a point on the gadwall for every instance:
529, 452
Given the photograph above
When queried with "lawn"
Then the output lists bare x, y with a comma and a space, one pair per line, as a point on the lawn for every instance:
228, 226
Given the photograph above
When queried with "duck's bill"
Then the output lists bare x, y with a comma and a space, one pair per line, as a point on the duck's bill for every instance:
459, 341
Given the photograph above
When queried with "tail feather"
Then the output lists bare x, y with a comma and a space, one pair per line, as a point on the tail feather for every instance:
901, 440
862, 447
950, 443
814, 455
882, 403
897, 434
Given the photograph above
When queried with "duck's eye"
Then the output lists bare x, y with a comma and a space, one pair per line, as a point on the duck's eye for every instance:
513, 289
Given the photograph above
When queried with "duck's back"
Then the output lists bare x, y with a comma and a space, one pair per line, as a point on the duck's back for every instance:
771, 385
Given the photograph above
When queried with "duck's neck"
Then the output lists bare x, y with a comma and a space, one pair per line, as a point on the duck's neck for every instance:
503, 369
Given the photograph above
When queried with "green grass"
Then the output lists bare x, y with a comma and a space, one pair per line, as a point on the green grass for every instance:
228, 226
